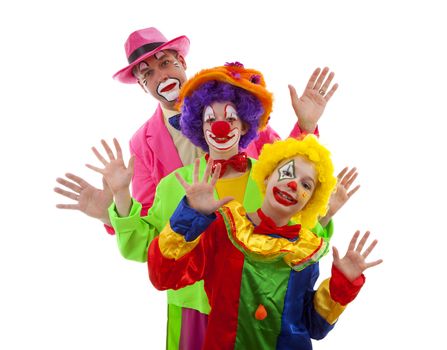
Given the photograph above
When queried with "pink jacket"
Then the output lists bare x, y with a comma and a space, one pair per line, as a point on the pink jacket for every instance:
156, 156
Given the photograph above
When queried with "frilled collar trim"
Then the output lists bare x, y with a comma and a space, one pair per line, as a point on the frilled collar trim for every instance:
304, 251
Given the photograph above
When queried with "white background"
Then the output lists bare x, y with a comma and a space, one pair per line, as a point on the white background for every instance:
64, 284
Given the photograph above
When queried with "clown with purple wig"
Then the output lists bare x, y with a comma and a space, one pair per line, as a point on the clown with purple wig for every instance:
248, 108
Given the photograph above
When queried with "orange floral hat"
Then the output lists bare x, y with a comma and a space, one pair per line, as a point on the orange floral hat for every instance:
235, 74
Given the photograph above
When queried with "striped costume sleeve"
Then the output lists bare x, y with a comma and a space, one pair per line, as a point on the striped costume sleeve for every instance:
335, 294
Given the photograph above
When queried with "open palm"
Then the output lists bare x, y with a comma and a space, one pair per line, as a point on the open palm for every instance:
115, 172
354, 262
342, 193
200, 194
310, 106
90, 200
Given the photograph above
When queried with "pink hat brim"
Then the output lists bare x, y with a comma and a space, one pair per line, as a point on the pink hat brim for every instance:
179, 44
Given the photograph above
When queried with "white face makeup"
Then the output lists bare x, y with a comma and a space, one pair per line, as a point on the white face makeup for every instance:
222, 126
141, 66
287, 171
159, 55
169, 89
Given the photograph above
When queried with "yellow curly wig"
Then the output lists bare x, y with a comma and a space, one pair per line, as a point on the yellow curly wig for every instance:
309, 147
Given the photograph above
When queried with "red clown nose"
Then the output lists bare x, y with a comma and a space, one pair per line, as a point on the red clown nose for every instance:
292, 185
220, 128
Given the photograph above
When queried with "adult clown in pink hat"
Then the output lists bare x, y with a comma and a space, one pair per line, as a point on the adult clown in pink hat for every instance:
143, 44
158, 66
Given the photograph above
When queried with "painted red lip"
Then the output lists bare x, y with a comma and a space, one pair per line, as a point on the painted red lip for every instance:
168, 87
283, 197
222, 139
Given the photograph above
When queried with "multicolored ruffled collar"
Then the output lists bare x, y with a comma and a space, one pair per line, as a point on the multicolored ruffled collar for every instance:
306, 250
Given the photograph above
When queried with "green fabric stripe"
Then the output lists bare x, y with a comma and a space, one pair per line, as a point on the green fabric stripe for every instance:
266, 284
324, 232
174, 327
253, 197
192, 297
318, 255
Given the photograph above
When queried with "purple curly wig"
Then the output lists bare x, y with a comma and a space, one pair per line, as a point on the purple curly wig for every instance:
248, 107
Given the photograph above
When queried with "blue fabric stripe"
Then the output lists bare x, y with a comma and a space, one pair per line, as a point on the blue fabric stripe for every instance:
300, 322
189, 222
278, 236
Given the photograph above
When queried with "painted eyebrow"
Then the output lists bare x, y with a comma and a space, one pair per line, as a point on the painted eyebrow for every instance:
226, 108
139, 70
206, 108
163, 54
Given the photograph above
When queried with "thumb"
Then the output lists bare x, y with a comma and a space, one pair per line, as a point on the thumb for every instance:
335, 255
131, 163
105, 185
218, 204
294, 98
293, 95
224, 201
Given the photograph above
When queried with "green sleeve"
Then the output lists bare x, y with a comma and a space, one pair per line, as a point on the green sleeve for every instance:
324, 232
134, 234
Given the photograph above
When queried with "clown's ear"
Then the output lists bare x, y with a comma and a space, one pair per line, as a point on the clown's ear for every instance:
266, 180
245, 128
182, 61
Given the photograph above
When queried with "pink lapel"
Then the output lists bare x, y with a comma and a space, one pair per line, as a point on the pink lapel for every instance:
161, 143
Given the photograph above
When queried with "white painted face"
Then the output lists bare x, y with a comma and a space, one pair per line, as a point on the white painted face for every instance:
222, 127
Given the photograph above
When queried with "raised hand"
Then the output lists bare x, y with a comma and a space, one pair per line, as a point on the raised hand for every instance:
90, 200
354, 262
342, 193
310, 106
115, 172
200, 194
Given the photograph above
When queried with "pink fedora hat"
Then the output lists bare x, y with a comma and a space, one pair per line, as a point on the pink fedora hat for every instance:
144, 43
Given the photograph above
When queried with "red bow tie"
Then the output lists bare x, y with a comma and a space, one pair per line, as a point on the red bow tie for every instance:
238, 162
268, 227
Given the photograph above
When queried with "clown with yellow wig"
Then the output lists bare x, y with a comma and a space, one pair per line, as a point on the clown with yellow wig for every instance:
259, 268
